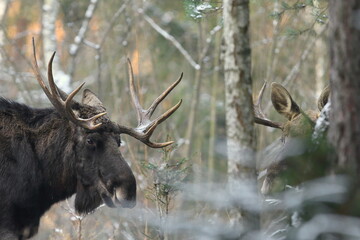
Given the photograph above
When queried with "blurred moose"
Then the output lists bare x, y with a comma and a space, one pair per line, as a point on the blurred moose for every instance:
276, 158
299, 124
47, 155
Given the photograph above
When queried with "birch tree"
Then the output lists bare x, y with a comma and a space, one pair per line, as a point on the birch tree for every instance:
50, 13
239, 109
3, 7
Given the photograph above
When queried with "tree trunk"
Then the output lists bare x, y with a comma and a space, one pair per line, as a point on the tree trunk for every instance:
50, 12
214, 99
344, 81
239, 108
3, 9
196, 96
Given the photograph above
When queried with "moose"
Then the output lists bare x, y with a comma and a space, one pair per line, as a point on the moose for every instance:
298, 127
47, 155
299, 124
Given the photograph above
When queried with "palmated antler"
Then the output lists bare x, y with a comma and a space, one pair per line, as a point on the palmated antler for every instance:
260, 117
146, 126
63, 106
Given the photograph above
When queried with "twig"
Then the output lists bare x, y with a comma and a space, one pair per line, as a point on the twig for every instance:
99, 46
74, 48
106, 32
23, 87
296, 69
75, 217
172, 39
112, 22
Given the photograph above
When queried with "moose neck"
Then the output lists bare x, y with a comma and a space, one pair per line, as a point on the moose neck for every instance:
54, 146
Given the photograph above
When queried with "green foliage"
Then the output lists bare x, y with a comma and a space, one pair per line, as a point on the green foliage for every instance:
296, 6
309, 3
168, 174
318, 13
320, 16
292, 32
276, 15
287, 7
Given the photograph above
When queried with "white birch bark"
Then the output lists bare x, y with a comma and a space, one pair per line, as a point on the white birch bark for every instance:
50, 12
3, 7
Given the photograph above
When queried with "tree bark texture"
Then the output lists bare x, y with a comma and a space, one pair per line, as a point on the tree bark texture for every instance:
344, 130
239, 106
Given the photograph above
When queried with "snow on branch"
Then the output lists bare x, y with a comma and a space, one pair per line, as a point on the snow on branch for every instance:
322, 123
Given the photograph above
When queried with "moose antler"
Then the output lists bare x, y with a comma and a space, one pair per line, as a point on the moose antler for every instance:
260, 117
63, 106
146, 126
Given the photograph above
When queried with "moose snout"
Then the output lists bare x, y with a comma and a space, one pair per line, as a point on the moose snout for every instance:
124, 199
122, 191
120, 197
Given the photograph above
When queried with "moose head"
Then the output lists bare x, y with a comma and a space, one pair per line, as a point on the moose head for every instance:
298, 124
102, 173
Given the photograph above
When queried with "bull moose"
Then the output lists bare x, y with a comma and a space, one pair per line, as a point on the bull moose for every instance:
276, 158
47, 155
299, 124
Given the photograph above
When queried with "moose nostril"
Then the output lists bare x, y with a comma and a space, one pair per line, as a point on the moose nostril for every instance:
124, 198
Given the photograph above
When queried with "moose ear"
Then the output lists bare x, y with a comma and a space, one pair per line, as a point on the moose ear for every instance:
282, 101
89, 98
324, 97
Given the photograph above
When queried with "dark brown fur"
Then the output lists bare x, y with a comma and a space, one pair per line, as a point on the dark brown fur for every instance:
45, 158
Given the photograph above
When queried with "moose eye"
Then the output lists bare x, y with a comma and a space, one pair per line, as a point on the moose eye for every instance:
89, 141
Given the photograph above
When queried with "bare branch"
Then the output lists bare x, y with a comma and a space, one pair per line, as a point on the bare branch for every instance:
296, 69
173, 40
74, 48
112, 22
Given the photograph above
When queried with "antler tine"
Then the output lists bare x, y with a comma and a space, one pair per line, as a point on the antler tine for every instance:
56, 95
150, 128
134, 96
257, 105
259, 116
168, 113
143, 137
38, 73
156, 102
145, 126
